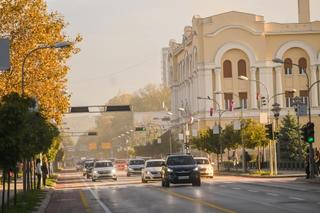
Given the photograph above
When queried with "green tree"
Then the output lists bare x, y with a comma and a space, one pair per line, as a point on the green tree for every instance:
254, 134
230, 138
291, 148
208, 142
28, 24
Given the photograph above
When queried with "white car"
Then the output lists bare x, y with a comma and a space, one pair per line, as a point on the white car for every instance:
135, 167
152, 170
103, 169
205, 167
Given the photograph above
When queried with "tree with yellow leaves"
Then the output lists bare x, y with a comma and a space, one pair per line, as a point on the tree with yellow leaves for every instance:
28, 24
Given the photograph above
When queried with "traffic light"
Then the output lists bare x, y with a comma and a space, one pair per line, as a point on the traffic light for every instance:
140, 129
269, 131
211, 111
263, 101
310, 132
303, 133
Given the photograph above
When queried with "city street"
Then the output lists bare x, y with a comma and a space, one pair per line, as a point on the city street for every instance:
74, 193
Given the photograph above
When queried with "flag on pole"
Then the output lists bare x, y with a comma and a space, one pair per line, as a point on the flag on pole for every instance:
231, 105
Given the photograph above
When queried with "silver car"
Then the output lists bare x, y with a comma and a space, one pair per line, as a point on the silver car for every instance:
152, 170
103, 169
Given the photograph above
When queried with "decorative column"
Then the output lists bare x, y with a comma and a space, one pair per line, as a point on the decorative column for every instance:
314, 91
279, 88
266, 79
205, 89
217, 73
253, 88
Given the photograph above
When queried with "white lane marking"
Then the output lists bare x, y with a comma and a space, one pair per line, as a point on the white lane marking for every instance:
236, 188
272, 194
105, 208
254, 191
95, 195
222, 186
295, 198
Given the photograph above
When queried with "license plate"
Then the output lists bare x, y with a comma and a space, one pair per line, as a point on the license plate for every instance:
183, 177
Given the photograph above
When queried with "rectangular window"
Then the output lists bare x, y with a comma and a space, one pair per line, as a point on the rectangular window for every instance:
227, 100
288, 71
304, 95
243, 96
289, 98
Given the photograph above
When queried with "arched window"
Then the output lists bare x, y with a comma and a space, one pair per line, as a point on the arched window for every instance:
302, 65
288, 66
242, 68
227, 69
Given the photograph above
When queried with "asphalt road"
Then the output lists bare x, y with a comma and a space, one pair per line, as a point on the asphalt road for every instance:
229, 194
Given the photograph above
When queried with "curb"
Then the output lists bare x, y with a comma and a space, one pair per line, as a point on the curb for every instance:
45, 202
263, 176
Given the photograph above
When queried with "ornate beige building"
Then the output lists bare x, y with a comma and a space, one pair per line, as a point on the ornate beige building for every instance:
216, 50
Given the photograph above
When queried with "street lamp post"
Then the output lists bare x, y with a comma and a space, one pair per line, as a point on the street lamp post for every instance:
220, 113
244, 78
58, 45
244, 166
311, 161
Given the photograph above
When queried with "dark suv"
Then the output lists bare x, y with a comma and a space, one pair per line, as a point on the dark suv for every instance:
180, 169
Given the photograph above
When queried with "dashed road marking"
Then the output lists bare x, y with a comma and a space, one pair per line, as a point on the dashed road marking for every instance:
272, 194
254, 191
198, 201
295, 198
236, 188
222, 186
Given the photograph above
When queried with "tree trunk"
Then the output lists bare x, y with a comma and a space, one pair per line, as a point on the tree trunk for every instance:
3, 189
8, 191
31, 175
34, 175
24, 176
258, 159
218, 163
15, 186
28, 176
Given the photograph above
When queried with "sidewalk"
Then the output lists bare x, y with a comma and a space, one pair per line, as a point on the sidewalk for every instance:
281, 174
19, 189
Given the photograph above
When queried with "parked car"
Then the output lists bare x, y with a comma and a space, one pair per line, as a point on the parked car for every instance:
135, 166
152, 170
103, 169
205, 167
180, 169
88, 165
120, 164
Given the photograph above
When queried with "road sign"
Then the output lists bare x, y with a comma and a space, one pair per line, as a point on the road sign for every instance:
92, 146
302, 110
263, 117
4, 54
118, 108
215, 130
106, 145
237, 125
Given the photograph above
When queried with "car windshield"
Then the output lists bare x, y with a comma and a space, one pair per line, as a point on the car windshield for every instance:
136, 162
89, 164
202, 161
103, 164
154, 164
180, 160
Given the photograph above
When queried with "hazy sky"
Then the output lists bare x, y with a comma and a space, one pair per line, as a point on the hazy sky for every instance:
122, 39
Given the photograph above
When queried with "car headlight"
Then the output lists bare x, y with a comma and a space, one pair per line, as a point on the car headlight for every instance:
130, 169
170, 170
148, 172
196, 169
95, 172
113, 171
